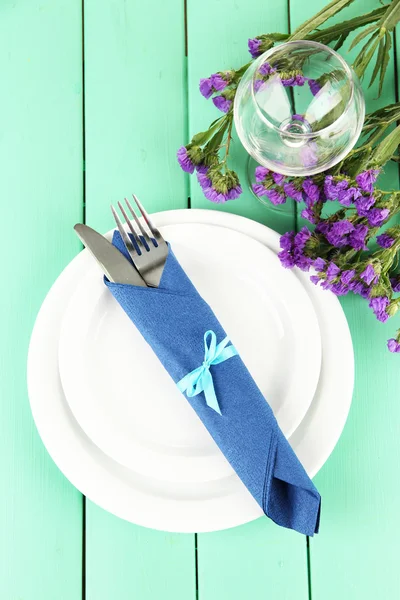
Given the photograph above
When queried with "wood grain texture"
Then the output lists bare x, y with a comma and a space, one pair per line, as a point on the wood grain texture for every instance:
41, 199
135, 563
135, 114
354, 556
135, 99
258, 560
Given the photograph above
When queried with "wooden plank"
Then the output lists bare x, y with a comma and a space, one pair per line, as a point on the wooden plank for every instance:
135, 98
228, 25
136, 563
41, 191
355, 554
258, 560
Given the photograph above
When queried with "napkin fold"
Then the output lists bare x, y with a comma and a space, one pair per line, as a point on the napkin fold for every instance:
173, 319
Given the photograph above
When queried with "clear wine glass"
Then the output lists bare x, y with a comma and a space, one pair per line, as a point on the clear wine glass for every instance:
299, 108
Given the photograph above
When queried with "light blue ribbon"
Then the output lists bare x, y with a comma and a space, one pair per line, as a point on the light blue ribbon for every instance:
200, 379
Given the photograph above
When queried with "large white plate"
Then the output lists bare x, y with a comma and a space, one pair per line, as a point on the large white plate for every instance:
173, 507
123, 398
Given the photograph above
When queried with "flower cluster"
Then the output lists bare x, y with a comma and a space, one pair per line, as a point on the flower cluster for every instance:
337, 250
216, 83
290, 78
342, 247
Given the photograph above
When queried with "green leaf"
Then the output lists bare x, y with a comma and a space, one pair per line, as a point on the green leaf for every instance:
323, 15
361, 36
215, 142
379, 61
341, 41
391, 16
388, 45
203, 136
384, 151
366, 57
329, 34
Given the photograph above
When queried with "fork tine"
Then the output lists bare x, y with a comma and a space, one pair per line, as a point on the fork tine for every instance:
125, 237
132, 229
138, 223
149, 223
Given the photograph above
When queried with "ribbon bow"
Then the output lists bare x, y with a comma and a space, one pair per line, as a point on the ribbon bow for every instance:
200, 379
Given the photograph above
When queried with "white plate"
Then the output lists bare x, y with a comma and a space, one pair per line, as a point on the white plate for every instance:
124, 399
177, 507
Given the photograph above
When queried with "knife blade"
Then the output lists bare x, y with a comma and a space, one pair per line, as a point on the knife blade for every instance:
116, 267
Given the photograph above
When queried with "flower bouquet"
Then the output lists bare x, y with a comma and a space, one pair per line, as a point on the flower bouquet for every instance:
343, 246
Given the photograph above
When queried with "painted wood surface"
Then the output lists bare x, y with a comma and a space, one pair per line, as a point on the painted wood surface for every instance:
141, 102
135, 118
41, 199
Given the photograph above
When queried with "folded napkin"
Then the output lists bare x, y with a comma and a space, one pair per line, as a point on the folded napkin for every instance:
193, 347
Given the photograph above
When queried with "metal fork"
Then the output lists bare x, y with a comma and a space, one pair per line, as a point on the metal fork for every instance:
151, 252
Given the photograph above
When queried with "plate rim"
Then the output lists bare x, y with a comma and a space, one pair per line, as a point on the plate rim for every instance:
74, 328
117, 505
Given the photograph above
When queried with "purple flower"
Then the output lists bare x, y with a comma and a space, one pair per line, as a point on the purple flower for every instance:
367, 179
358, 288
322, 227
299, 80
395, 283
368, 275
357, 237
377, 216
319, 264
298, 118
214, 196
222, 103
364, 204
347, 276
346, 197
308, 154
278, 178
258, 84
385, 240
254, 47
301, 237
338, 233
184, 160
266, 69
339, 289
206, 88
292, 192
314, 86
300, 240
286, 259
314, 279
311, 189
379, 305
261, 173
289, 82
259, 189
234, 193
287, 239
202, 176
332, 190
332, 271
393, 345
307, 213
275, 197
218, 82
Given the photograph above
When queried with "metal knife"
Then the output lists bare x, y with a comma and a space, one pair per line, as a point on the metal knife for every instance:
116, 267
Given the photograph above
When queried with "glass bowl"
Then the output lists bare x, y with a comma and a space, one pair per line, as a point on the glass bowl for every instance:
299, 108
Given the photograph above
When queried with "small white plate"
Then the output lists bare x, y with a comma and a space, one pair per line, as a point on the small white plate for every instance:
181, 507
124, 399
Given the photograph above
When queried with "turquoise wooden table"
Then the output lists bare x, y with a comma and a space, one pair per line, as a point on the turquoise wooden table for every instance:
96, 98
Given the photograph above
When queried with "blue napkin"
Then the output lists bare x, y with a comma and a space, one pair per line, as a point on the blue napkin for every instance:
174, 319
